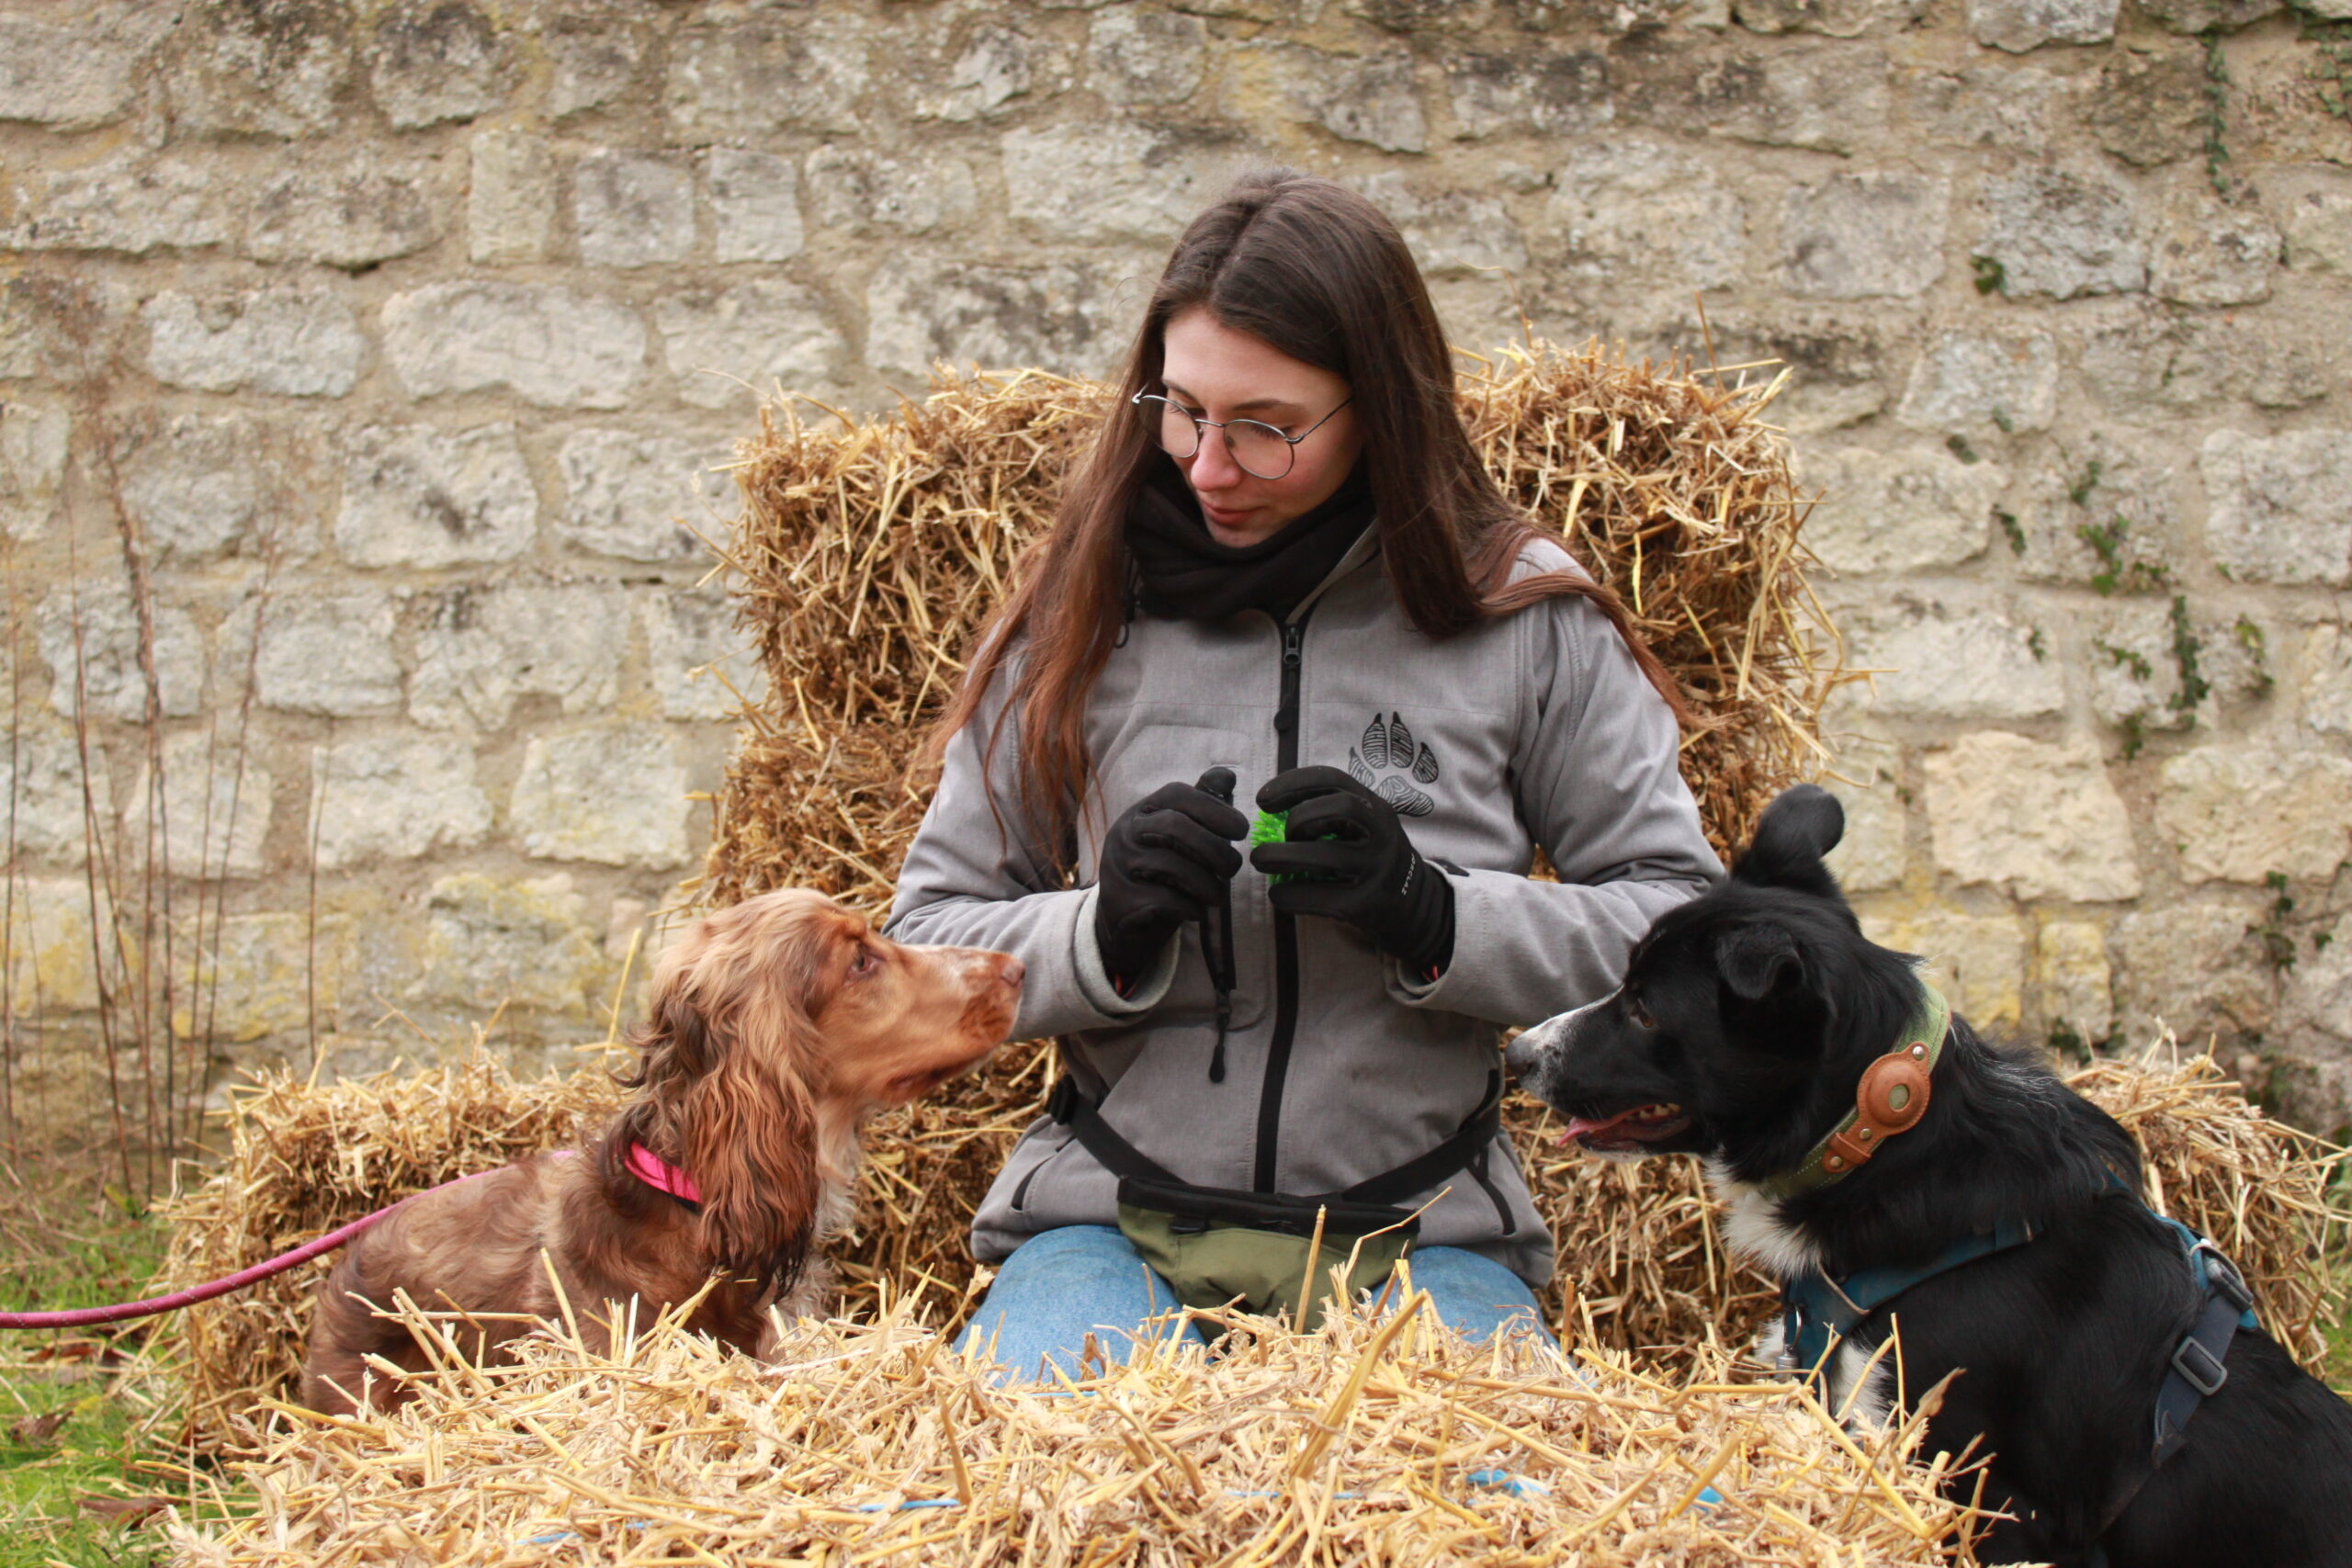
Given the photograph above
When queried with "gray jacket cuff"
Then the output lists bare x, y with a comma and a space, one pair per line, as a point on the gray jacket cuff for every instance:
1411, 986
1095, 976
1524, 950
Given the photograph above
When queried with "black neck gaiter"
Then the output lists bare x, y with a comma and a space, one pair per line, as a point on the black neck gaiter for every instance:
1186, 575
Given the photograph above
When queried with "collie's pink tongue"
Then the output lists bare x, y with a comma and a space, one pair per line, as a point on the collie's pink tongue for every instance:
1624, 1125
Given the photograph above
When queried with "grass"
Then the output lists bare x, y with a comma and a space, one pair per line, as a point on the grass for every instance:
76, 1410
2338, 1369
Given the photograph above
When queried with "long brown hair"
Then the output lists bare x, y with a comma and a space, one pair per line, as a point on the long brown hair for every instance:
1315, 270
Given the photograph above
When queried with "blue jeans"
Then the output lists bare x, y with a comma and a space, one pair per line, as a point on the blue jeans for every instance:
1062, 1285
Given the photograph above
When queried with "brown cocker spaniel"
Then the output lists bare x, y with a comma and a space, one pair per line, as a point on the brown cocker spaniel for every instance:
777, 1025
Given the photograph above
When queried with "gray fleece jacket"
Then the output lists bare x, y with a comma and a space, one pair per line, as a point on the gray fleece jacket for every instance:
1535, 730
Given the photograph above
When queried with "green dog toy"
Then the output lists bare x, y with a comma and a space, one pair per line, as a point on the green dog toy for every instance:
1273, 827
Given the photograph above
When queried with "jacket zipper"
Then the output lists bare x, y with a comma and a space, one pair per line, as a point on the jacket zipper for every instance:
1269, 1094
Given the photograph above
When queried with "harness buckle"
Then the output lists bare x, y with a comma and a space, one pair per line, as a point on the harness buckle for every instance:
2223, 1276
2208, 1376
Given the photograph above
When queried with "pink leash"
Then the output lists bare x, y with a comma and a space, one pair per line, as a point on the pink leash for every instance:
82, 1316
643, 1163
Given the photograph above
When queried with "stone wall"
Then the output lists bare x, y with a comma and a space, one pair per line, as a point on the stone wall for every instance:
397, 337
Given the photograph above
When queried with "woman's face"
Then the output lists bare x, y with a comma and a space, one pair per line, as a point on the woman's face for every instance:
1221, 374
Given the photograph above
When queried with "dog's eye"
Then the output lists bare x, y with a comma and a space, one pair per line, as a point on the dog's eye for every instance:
1638, 1013
865, 963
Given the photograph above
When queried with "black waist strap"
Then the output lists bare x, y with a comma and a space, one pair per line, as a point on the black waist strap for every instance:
1070, 1107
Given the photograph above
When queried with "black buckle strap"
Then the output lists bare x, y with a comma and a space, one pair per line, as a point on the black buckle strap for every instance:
1419, 1175
1063, 1100
2199, 1369
2222, 1275
1068, 1105
2194, 1361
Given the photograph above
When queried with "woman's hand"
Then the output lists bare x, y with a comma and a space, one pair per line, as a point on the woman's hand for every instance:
1164, 862
1346, 851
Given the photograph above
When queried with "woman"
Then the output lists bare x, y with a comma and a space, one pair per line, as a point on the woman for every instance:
1282, 568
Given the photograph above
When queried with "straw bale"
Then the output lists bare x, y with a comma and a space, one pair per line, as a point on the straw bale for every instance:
1642, 1269
868, 556
1380, 1439
2258, 1187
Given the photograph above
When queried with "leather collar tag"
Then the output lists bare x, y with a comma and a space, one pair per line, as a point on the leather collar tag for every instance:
1890, 1099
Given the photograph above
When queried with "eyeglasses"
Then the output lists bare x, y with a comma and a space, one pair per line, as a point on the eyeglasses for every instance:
1258, 449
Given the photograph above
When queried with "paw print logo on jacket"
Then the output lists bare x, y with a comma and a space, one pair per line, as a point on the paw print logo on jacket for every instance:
1389, 760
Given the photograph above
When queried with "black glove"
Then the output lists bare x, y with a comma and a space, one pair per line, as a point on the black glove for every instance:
1350, 861
1165, 860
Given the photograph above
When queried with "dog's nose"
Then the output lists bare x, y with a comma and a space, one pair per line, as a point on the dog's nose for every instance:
1528, 1049
1520, 1057
1011, 971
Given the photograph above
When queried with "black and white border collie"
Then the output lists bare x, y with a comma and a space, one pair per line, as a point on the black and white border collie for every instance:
1745, 1022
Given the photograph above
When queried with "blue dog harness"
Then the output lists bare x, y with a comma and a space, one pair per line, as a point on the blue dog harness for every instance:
2197, 1372
1818, 1312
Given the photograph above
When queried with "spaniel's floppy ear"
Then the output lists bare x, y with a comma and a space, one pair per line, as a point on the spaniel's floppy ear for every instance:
749, 1138
675, 1050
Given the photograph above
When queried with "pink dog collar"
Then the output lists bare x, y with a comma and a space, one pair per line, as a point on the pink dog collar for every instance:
661, 1174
